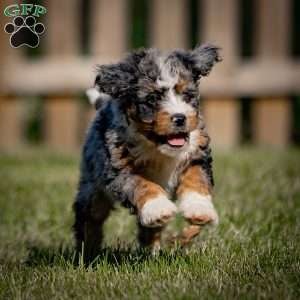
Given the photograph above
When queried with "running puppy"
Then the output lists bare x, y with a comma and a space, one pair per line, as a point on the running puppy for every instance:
147, 146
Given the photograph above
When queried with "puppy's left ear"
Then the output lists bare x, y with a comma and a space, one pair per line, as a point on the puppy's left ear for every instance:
204, 58
200, 60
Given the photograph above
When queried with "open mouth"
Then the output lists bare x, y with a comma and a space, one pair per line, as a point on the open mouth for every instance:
177, 140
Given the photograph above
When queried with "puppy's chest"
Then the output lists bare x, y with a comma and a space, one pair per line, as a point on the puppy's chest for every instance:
161, 170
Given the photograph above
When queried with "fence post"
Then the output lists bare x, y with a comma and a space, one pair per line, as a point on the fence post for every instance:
272, 115
271, 120
222, 116
11, 133
61, 117
10, 105
109, 30
219, 26
62, 111
63, 28
168, 19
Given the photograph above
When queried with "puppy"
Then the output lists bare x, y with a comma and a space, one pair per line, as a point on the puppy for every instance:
147, 146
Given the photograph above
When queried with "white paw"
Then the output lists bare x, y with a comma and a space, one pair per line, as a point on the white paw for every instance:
198, 209
157, 212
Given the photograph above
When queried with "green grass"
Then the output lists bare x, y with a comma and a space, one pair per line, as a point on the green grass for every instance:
253, 254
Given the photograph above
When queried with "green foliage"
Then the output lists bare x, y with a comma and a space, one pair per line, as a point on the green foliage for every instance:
253, 254
139, 23
296, 119
33, 119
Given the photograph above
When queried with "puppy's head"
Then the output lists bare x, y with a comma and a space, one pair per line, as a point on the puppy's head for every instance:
160, 92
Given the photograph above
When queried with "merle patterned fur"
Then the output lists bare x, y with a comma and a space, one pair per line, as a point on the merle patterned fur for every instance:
129, 84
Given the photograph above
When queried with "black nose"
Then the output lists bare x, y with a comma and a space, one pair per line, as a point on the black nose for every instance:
178, 119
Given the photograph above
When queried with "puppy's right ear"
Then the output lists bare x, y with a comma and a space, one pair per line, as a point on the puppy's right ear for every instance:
119, 80
96, 98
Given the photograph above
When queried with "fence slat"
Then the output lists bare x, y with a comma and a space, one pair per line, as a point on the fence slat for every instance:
109, 30
10, 122
271, 117
62, 126
169, 24
219, 26
63, 28
272, 29
251, 79
62, 40
222, 116
10, 107
272, 121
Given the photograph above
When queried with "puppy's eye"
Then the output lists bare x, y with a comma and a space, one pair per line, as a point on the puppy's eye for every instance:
143, 109
151, 100
191, 96
145, 112
162, 91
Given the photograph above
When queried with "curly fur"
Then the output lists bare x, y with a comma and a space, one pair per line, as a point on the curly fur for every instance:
137, 149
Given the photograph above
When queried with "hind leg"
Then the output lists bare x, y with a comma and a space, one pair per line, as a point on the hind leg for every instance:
88, 225
149, 237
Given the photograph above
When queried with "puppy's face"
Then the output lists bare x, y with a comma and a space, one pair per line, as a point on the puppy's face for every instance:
166, 109
160, 93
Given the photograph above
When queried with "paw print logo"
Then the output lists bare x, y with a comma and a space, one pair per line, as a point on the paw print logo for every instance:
24, 31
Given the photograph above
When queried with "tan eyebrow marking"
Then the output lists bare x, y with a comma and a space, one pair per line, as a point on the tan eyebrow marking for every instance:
180, 86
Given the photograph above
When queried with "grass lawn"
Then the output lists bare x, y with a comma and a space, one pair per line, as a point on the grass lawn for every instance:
253, 254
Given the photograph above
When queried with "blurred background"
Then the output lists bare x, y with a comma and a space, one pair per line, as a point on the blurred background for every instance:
251, 98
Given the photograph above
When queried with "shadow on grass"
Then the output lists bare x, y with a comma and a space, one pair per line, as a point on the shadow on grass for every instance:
39, 255
64, 256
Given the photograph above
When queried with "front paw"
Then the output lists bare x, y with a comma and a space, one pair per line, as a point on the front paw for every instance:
157, 212
198, 209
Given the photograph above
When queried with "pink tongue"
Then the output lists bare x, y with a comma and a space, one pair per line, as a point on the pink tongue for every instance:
176, 141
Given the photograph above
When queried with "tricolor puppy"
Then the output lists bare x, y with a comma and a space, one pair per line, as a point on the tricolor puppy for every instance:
147, 146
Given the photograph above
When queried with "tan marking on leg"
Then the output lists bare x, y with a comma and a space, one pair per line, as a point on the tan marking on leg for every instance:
154, 207
194, 180
189, 232
186, 235
145, 191
194, 194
